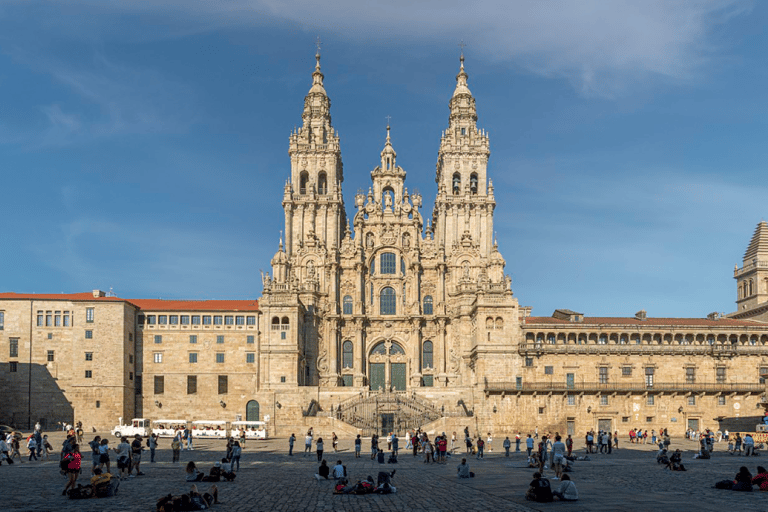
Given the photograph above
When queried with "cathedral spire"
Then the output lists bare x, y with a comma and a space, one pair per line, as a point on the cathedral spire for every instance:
461, 80
388, 154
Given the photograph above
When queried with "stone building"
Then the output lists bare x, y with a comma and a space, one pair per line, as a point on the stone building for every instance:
382, 321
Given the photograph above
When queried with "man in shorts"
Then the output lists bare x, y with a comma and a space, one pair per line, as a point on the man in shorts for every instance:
358, 446
136, 456
558, 457
123, 451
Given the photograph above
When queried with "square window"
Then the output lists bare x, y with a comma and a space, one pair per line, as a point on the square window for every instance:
193, 338
625, 419
250, 357
193, 357
549, 370
98, 404
2, 320
720, 375
13, 367
89, 356
649, 419
229, 320
762, 373
13, 347
219, 339
174, 319
603, 375
158, 357
130, 358
50, 335
518, 383
251, 320
66, 319
651, 400
89, 315
51, 356
529, 361
691, 400
130, 375
184, 319
151, 319
239, 320
191, 384
541, 410
88, 374
223, 384
283, 335
249, 340
39, 318
57, 320
159, 384
206, 319
218, 320
282, 378
571, 400
604, 400
690, 375
158, 338
626, 371
429, 381
721, 400
219, 357
195, 319
89, 335
162, 319
130, 336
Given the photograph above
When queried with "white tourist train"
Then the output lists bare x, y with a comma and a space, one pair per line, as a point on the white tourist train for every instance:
210, 429
168, 428
253, 429
137, 426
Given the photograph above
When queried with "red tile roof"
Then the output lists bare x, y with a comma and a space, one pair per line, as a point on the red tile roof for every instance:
145, 304
195, 305
597, 320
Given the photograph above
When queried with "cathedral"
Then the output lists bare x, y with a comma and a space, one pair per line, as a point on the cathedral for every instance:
382, 320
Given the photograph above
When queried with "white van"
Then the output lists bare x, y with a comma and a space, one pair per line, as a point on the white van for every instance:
137, 426
253, 429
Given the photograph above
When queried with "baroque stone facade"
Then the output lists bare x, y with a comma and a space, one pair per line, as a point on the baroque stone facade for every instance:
384, 321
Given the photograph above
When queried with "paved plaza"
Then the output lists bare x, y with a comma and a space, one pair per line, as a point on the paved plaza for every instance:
270, 480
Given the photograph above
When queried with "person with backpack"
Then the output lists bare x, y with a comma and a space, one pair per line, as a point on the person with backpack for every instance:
539, 490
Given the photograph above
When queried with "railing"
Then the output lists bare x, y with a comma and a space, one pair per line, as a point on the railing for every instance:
622, 387
405, 412
709, 350
750, 266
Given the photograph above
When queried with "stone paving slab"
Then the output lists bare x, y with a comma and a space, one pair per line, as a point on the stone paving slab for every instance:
270, 480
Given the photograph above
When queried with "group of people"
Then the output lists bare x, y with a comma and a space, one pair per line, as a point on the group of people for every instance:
36, 444
744, 481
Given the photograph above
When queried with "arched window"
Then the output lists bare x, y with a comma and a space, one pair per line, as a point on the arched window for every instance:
346, 355
388, 301
428, 310
252, 411
373, 266
388, 263
303, 180
402, 266
473, 184
347, 308
322, 184
750, 288
275, 320
285, 321
456, 183
426, 355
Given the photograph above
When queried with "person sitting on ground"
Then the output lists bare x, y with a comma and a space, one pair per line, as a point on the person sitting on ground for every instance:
533, 460
539, 489
567, 490
193, 474
675, 461
339, 470
214, 475
743, 480
205, 500
761, 478
323, 471
104, 484
226, 470
463, 470
380, 457
384, 483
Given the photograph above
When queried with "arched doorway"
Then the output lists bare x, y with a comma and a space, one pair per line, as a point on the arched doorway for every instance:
387, 367
252, 411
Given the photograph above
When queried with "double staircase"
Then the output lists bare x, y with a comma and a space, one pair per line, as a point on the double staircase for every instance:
381, 412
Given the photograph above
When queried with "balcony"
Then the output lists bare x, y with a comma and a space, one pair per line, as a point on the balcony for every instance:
716, 350
622, 387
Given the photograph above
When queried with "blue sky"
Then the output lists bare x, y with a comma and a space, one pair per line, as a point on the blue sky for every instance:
143, 145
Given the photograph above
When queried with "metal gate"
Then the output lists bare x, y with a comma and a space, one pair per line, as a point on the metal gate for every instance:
604, 425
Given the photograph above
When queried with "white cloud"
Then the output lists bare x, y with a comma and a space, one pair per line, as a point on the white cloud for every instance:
602, 46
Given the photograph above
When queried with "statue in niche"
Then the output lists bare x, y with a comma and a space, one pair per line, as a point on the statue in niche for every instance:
466, 269
406, 241
311, 269
387, 199
369, 240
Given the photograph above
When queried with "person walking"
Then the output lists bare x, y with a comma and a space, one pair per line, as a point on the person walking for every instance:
308, 443
32, 447
176, 448
237, 451
291, 440
335, 442
508, 444
104, 455
489, 443
319, 448
569, 445
73, 468
517, 442
358, 446
529, 445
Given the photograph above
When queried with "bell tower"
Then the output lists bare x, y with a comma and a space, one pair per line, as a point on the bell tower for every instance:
312, 199
465, 203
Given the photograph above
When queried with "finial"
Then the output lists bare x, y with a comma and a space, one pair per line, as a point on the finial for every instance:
388, 118
281, 239
461, 55
317, 55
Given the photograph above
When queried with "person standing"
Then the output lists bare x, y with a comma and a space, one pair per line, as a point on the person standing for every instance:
104, 455
374, 446
569, 445
237, 451
291, 440
176, 448
319, 448
489, 443
39, 440
558, 457
480, 447
517, 442
188, 437
308, 443
136, 449
358, 446
95, 453
335, 442
152, 443
242, 437
453, 442
73, 467
529, 445
508, 445
395, 444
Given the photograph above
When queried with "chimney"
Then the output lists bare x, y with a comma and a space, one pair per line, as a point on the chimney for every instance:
98, 293
640, 315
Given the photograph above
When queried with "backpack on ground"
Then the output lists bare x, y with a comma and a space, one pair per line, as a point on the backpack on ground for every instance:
80, 492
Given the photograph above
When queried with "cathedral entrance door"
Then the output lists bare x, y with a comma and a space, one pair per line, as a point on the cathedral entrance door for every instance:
387, 368
387, 424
